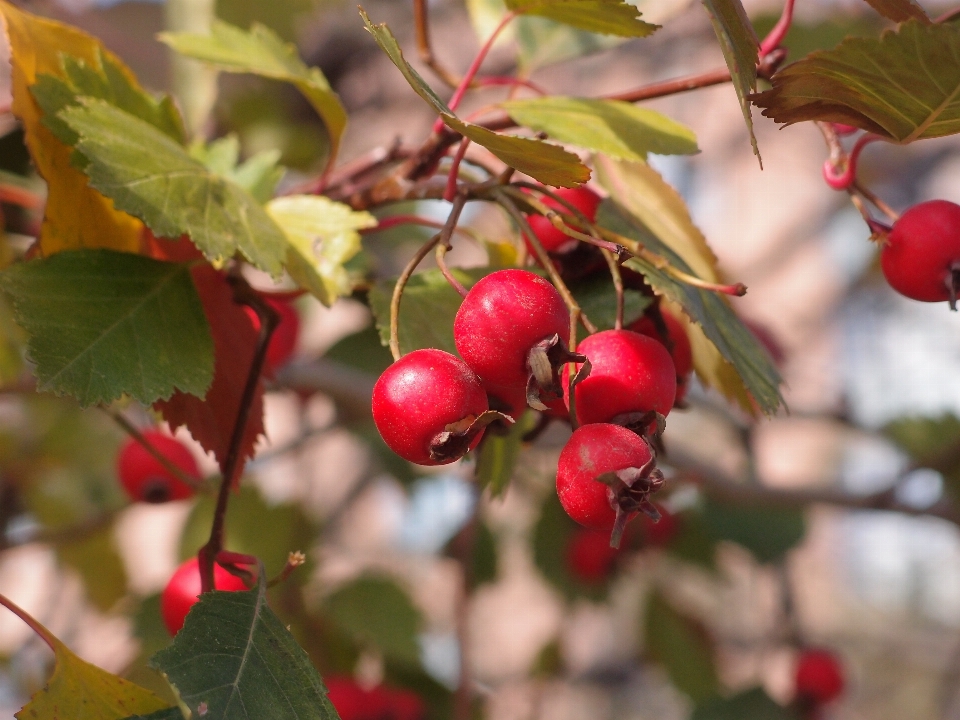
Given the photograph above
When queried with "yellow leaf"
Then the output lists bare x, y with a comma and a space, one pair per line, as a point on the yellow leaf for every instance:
76, 215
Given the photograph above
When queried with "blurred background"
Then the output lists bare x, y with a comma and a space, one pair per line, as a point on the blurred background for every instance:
721, 603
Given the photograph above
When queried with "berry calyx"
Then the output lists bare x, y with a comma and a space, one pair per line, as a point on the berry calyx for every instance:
183, 591
354, 702
146, 479
819, 676
553, 240
430, 408
632, 378
589, 557
673, 336
509, 330
921, 256
283, 342
605, 475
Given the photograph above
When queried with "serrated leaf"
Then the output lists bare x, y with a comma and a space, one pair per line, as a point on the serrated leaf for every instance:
150, 176
899, 10
103, 324
753, 704
736, 363
740, 47
322, 236
235, 659
258, 175
75, 215
499, 452
260, 51
77, 689
768, 533
376, 612
904, 85
612, 127
609, 17
682, 646
549, 164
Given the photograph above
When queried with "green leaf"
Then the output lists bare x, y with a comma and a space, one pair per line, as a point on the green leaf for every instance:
767, 533
597, 298
544, 42
499, 453
323, 235
235, 659
904, 85
726, 354
693, 542
171, 713
549, 164
363, 351
609, 17
260, 51
740, 51
376, 612
103, 324
899, 10
613, 127
682, 646
753, 704
153, 178
258, 175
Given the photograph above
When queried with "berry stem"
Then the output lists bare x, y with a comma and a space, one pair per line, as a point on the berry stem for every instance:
442, 236
48, 637
502, 196
843, 180
243, 294
779, 31
571, 371
891, 214
294, 560
442, 250
558, 220
617, 286
451, 189
133, 432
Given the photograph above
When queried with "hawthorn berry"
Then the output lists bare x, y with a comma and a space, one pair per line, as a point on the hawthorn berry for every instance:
921, 256
677, 343
353, 702
183, 591
589, 557
631, 376
428, 407
145, 478
819, 676
509, 330
284, 339
605, 474
553, 240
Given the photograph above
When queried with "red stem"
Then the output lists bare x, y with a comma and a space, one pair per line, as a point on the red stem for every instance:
395, 220
451, 190
844, 180
48, 637
20, 196
779, 31
497, 80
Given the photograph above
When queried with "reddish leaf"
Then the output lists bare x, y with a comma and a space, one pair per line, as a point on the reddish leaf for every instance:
210, 420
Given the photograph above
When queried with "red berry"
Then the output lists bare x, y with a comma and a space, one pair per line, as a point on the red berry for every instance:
146, 479
582, 198
284, 339
589, 556
819, 676
501, 319
676, 342
630, 373
592, 451
183, 591
353, 702
424, 405
921, 257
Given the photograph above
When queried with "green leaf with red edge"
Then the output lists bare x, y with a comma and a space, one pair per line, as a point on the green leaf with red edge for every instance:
899, 10
103, 324
547, 163
753, 704
740, 47
210, 419
262, 52
682, 645
904, 85
609, 17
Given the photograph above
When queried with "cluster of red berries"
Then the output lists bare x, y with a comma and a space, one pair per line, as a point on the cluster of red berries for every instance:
432, 407
819, 679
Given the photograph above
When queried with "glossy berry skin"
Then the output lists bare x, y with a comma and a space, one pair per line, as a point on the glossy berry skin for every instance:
819, 676
145, 479
679, 348
283, 342
419, 396
591, 451
582, 198
183, 591
354, 702
630, 373
921, 249
502, 317
589, 557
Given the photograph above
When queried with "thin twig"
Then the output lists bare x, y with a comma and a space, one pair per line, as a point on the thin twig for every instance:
48, 637
891, 214
128, 427
421, 24
451, 189
617, 286
779, 31
442, 250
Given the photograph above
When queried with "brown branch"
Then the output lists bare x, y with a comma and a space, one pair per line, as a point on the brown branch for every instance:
421, 23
